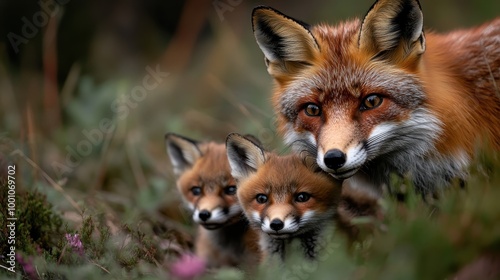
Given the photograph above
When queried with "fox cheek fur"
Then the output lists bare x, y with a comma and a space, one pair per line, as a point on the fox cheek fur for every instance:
382, 96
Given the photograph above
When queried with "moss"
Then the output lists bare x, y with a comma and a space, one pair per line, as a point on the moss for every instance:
38, 227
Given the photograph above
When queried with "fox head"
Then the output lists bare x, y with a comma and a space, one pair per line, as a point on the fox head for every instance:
350, 94
284, 196
204, 180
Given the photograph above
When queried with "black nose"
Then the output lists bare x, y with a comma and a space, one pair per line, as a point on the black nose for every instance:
204, 215
334, 159
277, 224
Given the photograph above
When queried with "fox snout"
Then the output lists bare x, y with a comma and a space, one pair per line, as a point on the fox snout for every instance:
342, 163
277, 224
280, 226
210, 215
334, 159
212, 212
204, 215
216, 217
280, 219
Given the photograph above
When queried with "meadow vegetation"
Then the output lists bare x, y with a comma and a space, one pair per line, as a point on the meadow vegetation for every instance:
95, 195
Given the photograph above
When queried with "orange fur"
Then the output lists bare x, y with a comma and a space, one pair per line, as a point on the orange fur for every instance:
295, 195
438, 96
468, 104
227, 241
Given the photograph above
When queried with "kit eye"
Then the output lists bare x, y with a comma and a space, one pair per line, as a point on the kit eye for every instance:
312, 110
230, 190
372, 101
302, 197
196, 191
261, 198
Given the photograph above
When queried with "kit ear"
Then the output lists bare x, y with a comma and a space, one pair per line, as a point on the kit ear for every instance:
244, 156
288, 44
183, 152
392, 30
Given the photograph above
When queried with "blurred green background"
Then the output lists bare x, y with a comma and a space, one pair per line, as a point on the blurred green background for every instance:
64, 68
64, 77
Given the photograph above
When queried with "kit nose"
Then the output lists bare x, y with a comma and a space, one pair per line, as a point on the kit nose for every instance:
204, 215
334, 159
277, 224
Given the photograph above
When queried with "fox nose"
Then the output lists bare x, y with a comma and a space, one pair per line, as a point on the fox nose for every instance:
204, 215
334, 159
277, 224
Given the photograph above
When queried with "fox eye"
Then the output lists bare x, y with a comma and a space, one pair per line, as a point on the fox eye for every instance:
302, 197
371, 101
261, 198
312, 110
196, 191
230, 190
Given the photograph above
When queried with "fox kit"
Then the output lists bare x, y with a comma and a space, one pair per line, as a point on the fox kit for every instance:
378, 96
285, 197
207, 187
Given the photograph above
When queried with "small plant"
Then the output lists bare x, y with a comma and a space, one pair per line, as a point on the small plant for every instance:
38, 228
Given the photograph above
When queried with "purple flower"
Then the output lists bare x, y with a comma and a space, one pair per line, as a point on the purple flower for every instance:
27, 265
188, 267
75, 243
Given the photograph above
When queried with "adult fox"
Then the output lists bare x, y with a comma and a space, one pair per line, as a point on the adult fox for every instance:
378, 96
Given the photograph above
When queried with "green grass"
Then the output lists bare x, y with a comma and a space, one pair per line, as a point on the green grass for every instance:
120, 197
416, 240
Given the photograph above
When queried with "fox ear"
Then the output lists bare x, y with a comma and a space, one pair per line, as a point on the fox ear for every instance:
244, 155
183, 152
254, 139
393, 30
310, 162
287, 44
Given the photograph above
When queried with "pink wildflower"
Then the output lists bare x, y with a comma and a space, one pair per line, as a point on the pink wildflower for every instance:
188, 267
27, 265
75, 243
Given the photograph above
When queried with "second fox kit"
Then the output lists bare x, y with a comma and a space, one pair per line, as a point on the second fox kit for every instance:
378, 95
206, 185
285, 197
